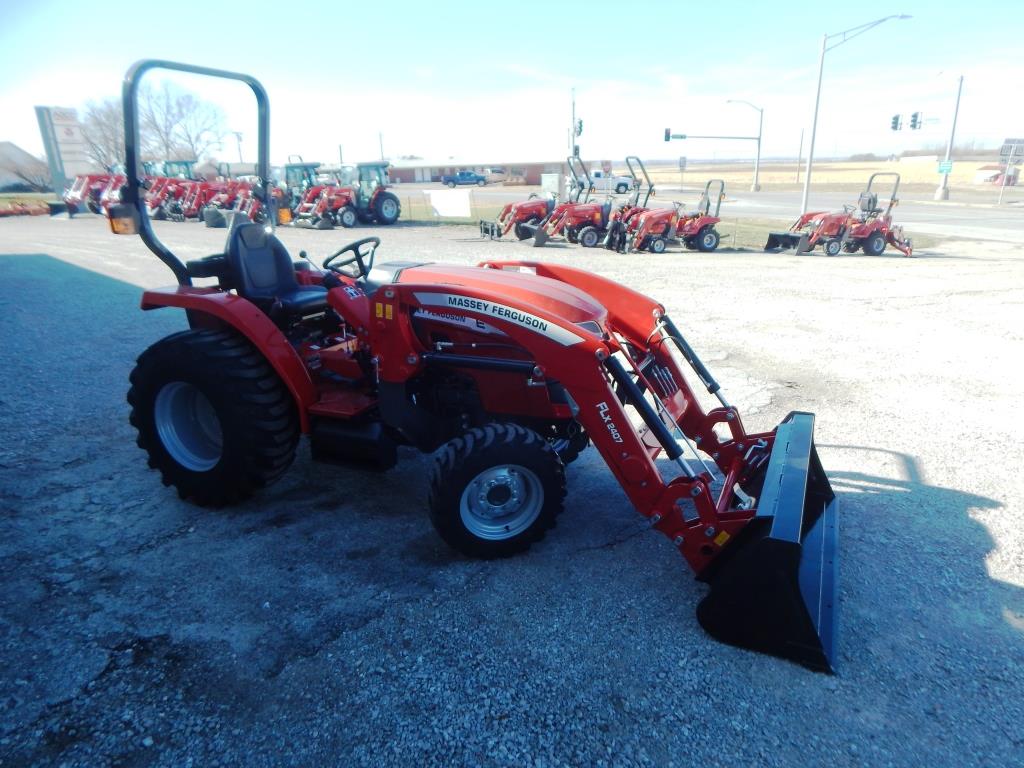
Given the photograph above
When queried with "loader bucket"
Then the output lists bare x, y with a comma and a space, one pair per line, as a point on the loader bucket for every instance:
490, 229
540, 237
774, 588
778, 241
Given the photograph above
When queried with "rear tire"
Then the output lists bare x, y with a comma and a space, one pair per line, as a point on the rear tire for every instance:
874, 244
589, 237
708, 239
214, 417
387, 208
621, 189
496, 490
480, 182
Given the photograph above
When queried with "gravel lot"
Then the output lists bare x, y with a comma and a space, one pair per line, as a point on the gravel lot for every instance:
324, 622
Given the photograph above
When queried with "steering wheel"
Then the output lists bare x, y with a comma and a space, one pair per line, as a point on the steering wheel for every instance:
361, 256
847, 208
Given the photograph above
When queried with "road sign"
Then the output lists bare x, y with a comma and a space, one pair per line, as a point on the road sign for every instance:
946, 167
682, 163
1013, 148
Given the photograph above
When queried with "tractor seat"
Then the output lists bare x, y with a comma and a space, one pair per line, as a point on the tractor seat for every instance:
265, 275
550, 205
868, 202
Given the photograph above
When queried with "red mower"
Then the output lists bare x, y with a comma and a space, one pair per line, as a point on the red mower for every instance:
865, 227
505, 371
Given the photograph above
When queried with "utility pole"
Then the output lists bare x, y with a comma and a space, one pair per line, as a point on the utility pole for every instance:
1006, 172
572, 125
942, 193
380, 138
238, 138
845, 35
341, 156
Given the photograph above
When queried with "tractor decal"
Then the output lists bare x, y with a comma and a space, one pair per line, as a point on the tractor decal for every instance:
554, 332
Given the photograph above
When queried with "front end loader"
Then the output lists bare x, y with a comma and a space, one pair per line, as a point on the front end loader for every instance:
504, 371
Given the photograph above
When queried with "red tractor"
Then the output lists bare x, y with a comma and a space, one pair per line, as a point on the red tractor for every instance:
504, 371
580, 221
359, 195
85, 192
865, 226
521, 217
696, 229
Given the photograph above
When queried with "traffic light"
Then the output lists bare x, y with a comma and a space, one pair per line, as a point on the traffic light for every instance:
895, 123
668, 134
915, 121
575, 150
579, 127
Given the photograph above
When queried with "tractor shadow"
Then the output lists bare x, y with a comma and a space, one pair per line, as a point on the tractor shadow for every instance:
915, 583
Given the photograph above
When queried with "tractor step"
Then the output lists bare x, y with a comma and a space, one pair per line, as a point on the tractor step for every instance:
774, 589
343, 442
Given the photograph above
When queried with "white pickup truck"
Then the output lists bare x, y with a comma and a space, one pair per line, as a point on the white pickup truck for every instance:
606, 182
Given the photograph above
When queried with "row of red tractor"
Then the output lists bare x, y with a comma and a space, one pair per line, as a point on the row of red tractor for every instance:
634, 226
301, 193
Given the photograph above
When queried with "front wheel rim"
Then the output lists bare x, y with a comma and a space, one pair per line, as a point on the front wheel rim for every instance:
501, 502
188, 427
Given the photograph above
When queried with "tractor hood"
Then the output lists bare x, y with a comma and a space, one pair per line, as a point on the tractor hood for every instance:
552, 296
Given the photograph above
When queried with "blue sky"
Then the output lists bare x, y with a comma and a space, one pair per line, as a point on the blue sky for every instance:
492, 80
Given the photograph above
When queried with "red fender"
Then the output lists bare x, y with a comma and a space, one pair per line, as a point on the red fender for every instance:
246, 318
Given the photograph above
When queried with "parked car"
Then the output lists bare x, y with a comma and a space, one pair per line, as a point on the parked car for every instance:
464, 177
606, 182
495, 175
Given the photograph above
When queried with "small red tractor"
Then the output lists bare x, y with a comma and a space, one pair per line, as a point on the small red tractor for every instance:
359, 195
521, 217
85, 192
865, 226
581, 221
527, 216
505, 371
653, 229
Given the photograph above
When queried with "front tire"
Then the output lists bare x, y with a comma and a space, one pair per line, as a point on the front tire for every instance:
589, 237
496, 490
214, 417
347, 217
832, 247
657, 244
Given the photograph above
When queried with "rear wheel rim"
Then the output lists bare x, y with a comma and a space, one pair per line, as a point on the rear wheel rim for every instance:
501, 502
710, 240
388, 209
188, 427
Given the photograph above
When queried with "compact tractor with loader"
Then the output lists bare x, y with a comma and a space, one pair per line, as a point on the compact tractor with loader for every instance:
504, 371
581, 221
526, 216
865, 226
360, 195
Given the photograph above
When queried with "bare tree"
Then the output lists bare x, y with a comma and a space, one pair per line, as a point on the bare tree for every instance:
173, 125
103, 129
30, 171
176, 125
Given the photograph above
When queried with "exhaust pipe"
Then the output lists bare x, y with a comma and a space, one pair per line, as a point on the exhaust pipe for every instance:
774, 589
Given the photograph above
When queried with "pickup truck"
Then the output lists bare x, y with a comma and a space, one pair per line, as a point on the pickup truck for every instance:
605, 182
464, 177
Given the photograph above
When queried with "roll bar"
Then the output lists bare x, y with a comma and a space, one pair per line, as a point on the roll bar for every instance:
130, 193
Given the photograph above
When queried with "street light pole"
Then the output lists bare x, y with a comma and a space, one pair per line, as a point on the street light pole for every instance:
755, 187
942, 193
845, 35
